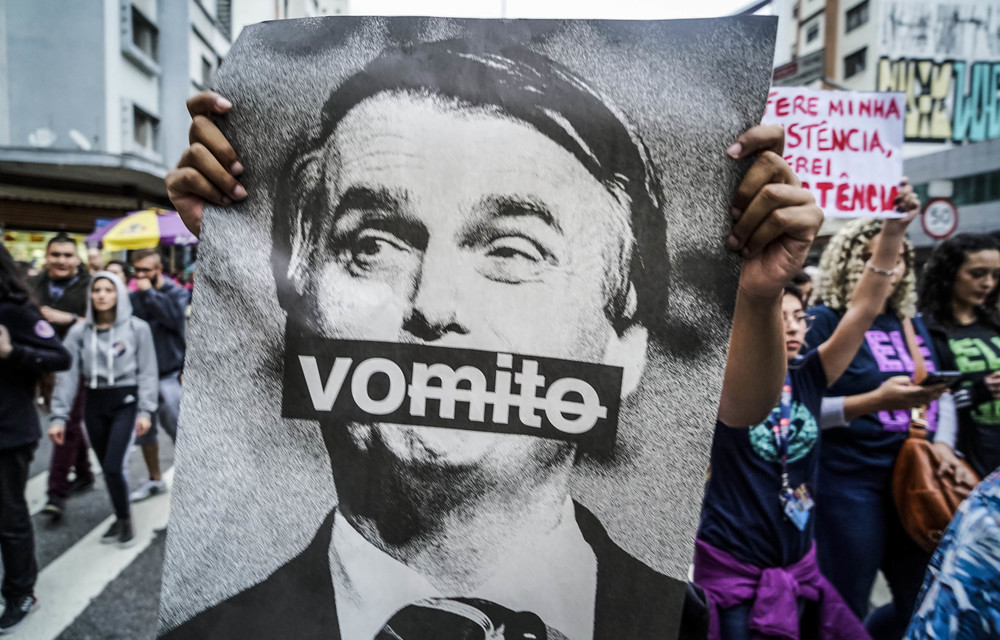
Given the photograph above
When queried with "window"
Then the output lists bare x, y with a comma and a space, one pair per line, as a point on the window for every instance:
855, 63
145, 129
207, 70
978, 188
812, 32
144, 34
857, 16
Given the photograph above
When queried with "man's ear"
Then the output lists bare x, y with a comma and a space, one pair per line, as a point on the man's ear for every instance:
628, 350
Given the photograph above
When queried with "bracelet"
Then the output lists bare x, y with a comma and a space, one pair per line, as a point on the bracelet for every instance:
881, 272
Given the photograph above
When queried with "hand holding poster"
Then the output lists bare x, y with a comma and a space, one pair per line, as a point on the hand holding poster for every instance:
845, 146
434, 350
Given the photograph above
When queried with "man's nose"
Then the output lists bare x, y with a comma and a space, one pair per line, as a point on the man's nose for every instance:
435, 301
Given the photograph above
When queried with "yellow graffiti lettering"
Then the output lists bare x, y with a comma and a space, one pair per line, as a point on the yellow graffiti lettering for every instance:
927, 85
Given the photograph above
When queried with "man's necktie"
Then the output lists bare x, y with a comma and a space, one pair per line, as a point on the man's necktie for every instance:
464, 619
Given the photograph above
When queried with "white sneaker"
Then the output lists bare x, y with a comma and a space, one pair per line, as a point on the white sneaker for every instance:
148, 489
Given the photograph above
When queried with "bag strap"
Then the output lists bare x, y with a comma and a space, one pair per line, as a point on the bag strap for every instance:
918, 415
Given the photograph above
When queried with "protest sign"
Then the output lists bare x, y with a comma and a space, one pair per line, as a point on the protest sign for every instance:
479, 266
845, 146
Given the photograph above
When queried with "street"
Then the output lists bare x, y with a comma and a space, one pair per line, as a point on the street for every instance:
88, 590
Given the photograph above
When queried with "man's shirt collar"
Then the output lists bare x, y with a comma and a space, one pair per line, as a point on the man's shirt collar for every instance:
555, 578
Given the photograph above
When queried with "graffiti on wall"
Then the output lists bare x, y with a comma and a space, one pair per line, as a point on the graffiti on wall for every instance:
960, 29
949, 100
945, 57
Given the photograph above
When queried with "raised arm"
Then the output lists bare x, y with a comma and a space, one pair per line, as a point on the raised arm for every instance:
775, 221
882, 272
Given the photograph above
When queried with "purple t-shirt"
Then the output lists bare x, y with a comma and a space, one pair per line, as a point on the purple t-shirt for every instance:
871, 440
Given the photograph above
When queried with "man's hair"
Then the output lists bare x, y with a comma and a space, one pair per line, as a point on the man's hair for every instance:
59, 238
841, 267
510, 80
142, 254
801, 278
119, 263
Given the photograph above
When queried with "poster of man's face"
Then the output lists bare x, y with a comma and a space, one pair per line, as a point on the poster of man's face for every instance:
455, 361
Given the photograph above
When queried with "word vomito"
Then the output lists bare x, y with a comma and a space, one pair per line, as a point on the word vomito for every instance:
571, 405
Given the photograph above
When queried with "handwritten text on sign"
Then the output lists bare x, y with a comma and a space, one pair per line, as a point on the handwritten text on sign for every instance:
845, 146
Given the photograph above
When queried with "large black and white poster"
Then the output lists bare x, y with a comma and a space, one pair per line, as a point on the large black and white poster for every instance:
454, 363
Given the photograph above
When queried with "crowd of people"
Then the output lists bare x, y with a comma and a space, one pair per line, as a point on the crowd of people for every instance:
102, 351
799, 513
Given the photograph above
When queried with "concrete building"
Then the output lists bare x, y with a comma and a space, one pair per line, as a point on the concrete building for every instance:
944, 55
966, 176
247, 12
92, 111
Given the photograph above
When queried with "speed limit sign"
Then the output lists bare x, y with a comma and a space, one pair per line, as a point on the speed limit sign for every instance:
940, 218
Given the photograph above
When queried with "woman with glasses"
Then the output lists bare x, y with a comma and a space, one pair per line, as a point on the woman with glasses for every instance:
958, 302
755, 555
858, 529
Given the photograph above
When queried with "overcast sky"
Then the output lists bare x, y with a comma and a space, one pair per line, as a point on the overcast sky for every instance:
621, 9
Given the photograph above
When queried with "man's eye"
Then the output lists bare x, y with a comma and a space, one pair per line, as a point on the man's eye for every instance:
513, 247
369, 246
370, 249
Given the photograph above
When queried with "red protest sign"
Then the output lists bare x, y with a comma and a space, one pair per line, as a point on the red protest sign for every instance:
845, 146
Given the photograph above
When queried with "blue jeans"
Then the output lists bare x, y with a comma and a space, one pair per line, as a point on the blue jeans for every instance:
858, 532
733, 622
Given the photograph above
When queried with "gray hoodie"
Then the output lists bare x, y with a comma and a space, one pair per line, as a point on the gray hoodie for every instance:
121, 356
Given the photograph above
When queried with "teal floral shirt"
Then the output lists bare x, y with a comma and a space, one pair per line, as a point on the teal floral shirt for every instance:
960, 599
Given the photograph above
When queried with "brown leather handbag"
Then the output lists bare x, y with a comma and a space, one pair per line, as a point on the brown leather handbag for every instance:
925, 500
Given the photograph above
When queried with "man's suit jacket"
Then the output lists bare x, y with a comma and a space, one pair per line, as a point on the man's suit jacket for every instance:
297, 601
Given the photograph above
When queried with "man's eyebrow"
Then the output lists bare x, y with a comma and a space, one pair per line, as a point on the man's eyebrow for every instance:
368, 199
516, 206
379, 208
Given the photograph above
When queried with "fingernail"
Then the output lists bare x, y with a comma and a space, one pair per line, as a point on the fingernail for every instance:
223, 103
735, 213
236, 169
735, 150
226, 201
239, 192
746, 252
732, 242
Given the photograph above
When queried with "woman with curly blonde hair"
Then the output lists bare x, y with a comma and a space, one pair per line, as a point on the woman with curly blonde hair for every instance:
857, 529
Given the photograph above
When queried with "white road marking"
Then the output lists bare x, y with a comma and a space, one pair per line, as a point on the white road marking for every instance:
68, 585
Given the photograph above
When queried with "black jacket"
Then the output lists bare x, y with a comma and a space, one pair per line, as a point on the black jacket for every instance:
164, 309
36, 350
297, 601
73, 300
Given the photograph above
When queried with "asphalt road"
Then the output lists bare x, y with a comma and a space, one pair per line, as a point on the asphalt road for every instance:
87, 590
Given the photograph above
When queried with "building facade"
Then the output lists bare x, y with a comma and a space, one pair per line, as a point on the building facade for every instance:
92, 106
944, 55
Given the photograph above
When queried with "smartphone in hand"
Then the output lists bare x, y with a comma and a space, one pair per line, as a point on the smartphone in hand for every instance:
948, 378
